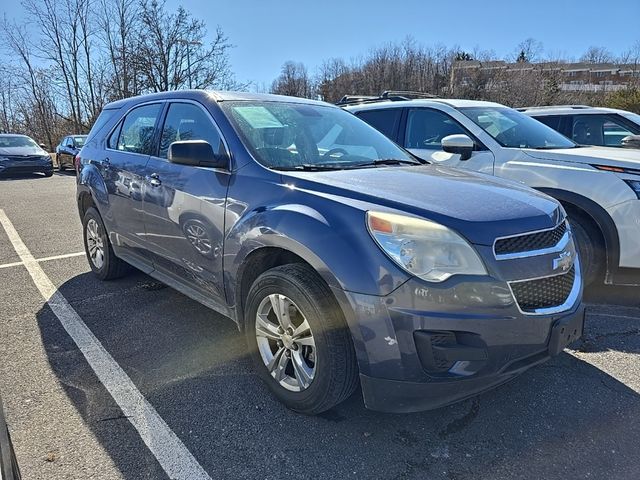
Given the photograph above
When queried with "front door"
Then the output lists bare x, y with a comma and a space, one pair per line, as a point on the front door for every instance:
184, 206
122, 169
425, 129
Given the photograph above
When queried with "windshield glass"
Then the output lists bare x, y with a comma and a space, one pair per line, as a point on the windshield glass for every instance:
9, 142
297, 136
79, 140
513, 129
634, 117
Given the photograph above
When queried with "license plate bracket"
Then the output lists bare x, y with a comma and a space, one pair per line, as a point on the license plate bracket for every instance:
566, 331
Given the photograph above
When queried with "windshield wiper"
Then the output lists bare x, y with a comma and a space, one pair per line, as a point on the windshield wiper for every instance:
388, 161
312, 167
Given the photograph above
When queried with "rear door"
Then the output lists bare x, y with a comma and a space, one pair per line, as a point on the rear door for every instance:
423, 133
184, 206
122, 168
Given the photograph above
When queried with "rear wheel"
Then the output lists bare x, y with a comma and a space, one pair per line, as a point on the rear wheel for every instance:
299, 340
102, 260
590, 248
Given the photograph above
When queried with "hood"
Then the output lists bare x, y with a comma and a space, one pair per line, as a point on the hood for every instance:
611, 156
479, 207
22, 151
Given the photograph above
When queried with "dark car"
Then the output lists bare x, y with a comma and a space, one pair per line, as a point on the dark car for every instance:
342, 258
20, 154
8, 465
67, 150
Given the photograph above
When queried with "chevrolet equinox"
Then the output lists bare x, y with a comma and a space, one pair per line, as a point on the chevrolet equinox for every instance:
341, 257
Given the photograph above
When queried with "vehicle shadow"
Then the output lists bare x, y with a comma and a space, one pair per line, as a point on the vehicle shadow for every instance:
20, 176
564, 419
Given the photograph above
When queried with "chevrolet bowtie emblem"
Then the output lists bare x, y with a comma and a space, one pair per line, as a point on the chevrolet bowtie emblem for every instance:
564, 261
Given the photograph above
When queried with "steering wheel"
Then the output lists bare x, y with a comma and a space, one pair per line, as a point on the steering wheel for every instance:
329, 153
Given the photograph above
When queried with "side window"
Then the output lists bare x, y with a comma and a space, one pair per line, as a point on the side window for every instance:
599, 130
65, 142
385, 120
427, 127
186, 121
136, 131
552, 121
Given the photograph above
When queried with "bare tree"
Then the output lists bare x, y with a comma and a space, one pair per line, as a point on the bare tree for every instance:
597, 55
293, 80
171, 51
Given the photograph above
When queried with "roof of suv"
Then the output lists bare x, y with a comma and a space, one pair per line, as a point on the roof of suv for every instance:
214, 95
451, 102
567, 110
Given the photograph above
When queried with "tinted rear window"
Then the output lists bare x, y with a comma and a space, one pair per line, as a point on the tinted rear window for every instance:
385, 121
100, 122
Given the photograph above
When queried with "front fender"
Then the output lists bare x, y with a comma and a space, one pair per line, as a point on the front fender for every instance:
335, 243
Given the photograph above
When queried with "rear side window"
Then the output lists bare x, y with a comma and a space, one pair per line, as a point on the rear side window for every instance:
100, 122
427, 127
136, 131
551, 121
186, 121
385, 120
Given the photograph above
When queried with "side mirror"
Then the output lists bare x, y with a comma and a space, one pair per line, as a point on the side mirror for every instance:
460, 144
197, 153
631, 141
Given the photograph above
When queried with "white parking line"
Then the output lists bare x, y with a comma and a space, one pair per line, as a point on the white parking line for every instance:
44, 259
176, 460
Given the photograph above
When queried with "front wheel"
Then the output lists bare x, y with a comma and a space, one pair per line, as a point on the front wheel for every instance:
592, 255
102, 260
299, 340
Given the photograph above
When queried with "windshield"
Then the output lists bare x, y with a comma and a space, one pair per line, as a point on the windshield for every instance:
634, 117
79, 140
513, 129
298, 136
9, 142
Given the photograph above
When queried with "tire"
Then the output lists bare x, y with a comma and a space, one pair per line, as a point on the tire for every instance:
48, 173
326, 348
590, 249
94, 234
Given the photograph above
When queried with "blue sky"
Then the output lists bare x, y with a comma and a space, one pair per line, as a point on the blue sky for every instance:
267, 33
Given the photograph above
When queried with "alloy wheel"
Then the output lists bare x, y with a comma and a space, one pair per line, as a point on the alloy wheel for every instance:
95, 244
286, 342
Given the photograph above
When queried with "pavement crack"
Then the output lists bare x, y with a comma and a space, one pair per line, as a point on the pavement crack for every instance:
118, 417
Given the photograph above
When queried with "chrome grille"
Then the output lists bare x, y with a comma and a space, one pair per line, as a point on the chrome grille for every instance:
548, 292
530, 242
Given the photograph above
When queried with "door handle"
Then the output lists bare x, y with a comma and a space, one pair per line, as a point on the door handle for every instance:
154, 180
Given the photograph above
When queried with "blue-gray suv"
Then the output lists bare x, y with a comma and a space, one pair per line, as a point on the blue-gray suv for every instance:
343, 258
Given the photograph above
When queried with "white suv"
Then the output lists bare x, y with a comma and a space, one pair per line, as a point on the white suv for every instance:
598, 186
606, 127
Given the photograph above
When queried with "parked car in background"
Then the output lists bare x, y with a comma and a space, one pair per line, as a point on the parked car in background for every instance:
340, 256
67, 150
598, 187
20, 154
604, 127
8, 465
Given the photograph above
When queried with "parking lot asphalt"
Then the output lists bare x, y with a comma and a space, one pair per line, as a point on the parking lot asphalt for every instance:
577, 416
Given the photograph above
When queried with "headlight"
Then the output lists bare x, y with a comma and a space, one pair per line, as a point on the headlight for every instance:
423, 248
635, 186
45, 158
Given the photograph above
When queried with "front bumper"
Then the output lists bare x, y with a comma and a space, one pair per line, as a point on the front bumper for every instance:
25, 167
422, 348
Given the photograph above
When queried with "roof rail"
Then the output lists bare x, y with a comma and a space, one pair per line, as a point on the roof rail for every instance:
542, 107
387, 95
